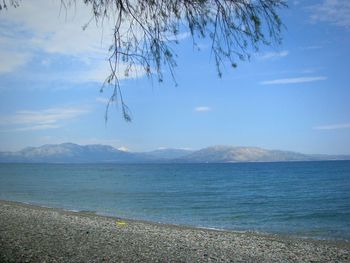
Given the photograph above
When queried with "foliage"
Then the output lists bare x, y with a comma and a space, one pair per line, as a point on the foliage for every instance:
144, 31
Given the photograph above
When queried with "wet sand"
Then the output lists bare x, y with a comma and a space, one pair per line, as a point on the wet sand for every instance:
35, 234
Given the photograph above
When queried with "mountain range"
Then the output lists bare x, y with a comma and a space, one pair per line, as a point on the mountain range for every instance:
74, 153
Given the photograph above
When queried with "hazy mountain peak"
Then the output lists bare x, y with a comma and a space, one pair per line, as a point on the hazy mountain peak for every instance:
224, 153
124, 149
67, 144
231, 147
74, 153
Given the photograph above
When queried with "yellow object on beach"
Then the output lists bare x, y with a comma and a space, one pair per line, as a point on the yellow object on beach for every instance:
120, 223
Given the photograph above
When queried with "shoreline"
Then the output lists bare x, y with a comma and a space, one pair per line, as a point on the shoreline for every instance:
186, 226
102, 215
180, 163
36, 233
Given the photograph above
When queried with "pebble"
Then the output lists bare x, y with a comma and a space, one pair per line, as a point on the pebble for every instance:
36, 234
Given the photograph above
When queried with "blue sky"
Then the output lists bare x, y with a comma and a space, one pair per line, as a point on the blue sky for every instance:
294, 96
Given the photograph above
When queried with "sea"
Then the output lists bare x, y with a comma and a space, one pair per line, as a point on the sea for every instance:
302, 199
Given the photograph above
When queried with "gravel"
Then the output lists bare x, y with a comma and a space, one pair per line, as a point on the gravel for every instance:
36, 234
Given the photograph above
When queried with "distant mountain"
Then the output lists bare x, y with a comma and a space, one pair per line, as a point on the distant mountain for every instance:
74, 153
69, 153
229, 154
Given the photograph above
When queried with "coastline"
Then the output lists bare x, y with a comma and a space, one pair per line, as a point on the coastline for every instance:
37, 234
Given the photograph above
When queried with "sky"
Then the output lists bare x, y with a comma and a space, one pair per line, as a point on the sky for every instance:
294, 96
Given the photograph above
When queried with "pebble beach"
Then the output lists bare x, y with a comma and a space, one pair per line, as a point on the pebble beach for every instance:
37, 234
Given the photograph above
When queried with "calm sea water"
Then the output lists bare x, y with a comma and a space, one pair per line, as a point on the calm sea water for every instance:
305, 199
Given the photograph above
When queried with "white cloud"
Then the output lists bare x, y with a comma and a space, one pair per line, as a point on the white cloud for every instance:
45, 27
38, 127
10, 61
100, 71
202, 109
42, 119
333, 126
293, 80
39, 26
272, 55
102, 100
336, 12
